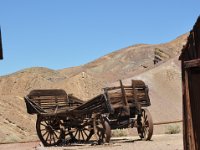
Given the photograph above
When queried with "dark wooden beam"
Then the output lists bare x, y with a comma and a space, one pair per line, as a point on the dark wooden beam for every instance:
192, 63
191, 145
123, 94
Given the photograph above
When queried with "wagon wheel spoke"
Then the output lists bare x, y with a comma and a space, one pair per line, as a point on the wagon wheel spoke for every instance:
79, 132
67, 134
43, 129
47, 137
44, 133
85, 133
82, 134
50, 138
43, 124
145, 125
49, 131
53, 138
76, 133
145, 118
56, 135
104, 131
57, 131
47, 122
89, 135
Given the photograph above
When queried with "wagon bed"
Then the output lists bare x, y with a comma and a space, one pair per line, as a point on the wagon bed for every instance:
128, 104
50, 101
63, 118
133, 95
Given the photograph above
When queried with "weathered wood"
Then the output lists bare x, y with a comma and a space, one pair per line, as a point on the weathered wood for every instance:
49, 97
138, 105
50, 100
47, 92
135, 94
189, 115
123, 94
98, 104
128, 94
139, 84
192, 63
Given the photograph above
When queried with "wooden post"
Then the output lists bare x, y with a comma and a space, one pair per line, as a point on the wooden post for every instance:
138, 106
94, 119
188, 115
123, 94
126, 109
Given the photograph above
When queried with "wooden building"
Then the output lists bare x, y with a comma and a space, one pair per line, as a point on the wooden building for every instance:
190, 61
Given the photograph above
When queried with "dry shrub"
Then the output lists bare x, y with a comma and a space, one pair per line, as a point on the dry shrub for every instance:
173, 129
119, 132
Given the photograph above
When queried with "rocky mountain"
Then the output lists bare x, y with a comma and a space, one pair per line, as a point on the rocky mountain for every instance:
157, 65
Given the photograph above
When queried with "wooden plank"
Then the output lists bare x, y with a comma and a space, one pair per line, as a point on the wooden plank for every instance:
138, 105
50, 102
47, 92
189, 129
42, 101
128, 95
116, 87
47, 105
53, 103
50, 98
138, 85
192, 63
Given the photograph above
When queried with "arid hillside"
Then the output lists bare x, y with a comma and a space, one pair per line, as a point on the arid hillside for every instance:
129, 61
157, 65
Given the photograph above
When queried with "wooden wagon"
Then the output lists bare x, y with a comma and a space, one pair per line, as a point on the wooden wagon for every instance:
128, 104
64, 119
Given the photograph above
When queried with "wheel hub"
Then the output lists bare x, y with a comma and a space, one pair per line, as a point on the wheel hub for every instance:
49, 128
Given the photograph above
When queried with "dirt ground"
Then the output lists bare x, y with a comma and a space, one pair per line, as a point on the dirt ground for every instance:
159, 142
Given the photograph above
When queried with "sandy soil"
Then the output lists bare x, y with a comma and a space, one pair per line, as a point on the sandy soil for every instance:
159, 142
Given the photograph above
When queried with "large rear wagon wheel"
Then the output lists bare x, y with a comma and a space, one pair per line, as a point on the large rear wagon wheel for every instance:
103, 131
48, 130
82, 133
145, 125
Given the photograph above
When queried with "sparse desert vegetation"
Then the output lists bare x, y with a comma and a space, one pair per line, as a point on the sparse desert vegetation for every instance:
173, 129
119, 132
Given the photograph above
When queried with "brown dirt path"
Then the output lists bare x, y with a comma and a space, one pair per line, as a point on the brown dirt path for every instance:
159, 142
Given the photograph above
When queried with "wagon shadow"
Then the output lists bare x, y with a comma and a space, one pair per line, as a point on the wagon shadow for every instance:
126, 140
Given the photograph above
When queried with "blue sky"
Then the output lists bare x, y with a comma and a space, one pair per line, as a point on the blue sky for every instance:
63, 33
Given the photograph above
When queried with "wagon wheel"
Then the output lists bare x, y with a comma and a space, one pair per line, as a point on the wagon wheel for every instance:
103, 131
48, 130
82, 133
145, 125
68, 137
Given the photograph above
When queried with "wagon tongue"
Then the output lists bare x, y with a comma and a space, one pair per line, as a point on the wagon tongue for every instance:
1, 48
